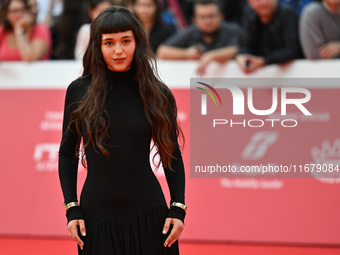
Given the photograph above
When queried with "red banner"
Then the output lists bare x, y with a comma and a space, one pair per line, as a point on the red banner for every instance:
219, 209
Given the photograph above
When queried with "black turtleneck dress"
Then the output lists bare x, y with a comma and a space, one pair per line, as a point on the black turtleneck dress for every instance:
121, 201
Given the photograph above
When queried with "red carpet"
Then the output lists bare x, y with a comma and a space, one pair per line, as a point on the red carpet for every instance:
48, 246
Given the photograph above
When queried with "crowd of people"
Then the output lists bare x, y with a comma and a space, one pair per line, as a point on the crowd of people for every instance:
255, 33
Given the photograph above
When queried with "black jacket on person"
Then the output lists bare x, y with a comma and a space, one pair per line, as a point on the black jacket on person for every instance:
276, 41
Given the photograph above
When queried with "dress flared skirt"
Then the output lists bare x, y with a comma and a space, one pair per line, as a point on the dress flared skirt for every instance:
142, 236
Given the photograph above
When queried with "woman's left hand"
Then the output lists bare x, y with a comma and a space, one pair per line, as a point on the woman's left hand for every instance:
176, 231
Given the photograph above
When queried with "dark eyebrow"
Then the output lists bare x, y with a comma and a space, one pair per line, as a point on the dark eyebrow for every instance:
124, 37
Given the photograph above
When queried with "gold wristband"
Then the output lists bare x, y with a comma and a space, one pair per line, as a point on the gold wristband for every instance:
180, 205
69, 205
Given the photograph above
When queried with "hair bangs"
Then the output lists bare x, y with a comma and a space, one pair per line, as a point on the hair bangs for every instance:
116, 23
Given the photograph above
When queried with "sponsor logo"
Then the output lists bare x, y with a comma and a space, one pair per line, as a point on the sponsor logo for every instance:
328, 158
259, 144
46, 156
53, 121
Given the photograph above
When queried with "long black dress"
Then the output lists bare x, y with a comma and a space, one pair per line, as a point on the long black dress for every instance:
121, 202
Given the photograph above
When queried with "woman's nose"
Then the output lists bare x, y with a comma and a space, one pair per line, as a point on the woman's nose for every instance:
118, 50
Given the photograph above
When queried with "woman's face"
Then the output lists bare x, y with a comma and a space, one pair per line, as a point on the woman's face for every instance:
118, 50
145, 10
16, 10
93, 13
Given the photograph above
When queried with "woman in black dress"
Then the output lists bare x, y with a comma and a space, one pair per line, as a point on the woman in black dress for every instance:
115, 108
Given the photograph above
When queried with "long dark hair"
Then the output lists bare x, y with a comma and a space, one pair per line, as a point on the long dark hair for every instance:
159, 103
158, 14
4, 12
91, 5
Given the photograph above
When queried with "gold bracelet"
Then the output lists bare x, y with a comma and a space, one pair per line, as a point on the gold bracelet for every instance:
69, 205
180, 205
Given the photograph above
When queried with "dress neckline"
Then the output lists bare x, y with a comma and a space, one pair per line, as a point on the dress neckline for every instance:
117, 78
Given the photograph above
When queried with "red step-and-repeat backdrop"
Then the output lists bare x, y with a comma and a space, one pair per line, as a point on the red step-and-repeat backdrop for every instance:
220, 209
272, 210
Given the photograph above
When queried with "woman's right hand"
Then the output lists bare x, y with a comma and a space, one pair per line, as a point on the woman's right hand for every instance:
24, 22
72, 228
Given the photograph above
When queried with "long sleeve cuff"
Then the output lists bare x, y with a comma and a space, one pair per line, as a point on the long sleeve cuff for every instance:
176, 212
74, 213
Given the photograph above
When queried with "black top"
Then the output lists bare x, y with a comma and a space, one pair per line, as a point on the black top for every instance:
159, 33
123, 185
277, 41
233, 10
228, 34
